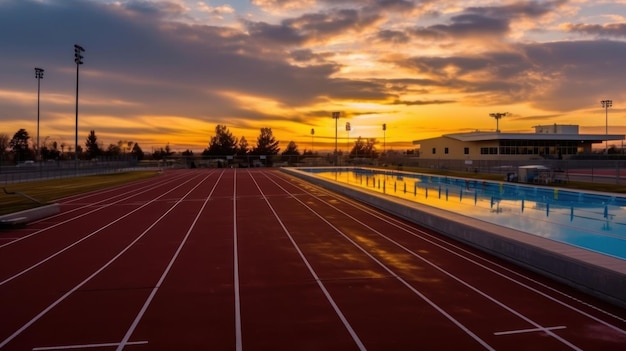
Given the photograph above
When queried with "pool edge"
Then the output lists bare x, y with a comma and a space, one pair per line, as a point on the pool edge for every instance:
599, 275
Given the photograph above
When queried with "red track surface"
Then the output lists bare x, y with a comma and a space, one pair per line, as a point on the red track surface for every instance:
256, 260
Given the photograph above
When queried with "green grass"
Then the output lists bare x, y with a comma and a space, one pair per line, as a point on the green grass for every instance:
47, 191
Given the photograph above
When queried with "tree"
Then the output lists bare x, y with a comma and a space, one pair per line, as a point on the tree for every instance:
93, 149
266, 144
222, 143
4, 145
243, 147
364, 148
19, 146
291, 153
137, 152
113, 150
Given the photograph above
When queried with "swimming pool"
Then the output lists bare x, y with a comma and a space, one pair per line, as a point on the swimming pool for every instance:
588, 220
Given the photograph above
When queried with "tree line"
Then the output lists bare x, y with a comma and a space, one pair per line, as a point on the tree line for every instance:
19, 148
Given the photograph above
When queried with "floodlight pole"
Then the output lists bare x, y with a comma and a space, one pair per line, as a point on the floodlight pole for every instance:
384, 138
78, 59
336, 118
497, 116
39, 76
312, 136
348, 128
606, 104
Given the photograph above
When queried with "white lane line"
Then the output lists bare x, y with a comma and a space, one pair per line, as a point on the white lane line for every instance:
86, 346
386, 268
319, 282
26, 270
238, 337
85, 213
148, 301
532, 330
449, 274
425, 236
79, 285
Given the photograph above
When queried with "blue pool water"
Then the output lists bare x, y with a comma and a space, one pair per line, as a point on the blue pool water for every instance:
593, 221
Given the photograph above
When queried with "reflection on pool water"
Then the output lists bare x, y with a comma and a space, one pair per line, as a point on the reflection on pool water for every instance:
593, 221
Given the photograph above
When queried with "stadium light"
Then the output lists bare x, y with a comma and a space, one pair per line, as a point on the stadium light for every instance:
336, 118
606, 104
78, 59
497, 116
39, 76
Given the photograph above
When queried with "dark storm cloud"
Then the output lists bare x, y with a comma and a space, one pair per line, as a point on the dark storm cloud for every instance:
309, 28
486, 21
615, 30
157, 67
554, 76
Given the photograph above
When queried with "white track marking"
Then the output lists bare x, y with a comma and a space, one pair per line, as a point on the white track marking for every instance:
533, 330
319, 282
436, 267
86, 280
85, 237
238, 333
82, 214
86, 346
432, 238
156, 288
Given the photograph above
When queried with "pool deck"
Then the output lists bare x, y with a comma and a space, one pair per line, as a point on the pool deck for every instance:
594, 273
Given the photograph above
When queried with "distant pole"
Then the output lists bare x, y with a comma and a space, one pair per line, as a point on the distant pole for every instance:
78, 59
606, 104
348, 128
312, 136
39, 76
336, 118
497, 116
384, 138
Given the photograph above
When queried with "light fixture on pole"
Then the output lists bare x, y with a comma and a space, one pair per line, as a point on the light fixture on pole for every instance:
39, 76
497, 116
606, 104
312, 135
336, 118
348, 128
78, 59
384, 138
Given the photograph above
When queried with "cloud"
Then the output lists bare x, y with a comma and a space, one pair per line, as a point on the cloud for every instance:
615, 30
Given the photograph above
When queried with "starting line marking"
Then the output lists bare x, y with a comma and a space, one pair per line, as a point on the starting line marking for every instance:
520, 331
71, 347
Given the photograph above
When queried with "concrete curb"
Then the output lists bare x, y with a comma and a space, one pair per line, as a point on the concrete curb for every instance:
33, 214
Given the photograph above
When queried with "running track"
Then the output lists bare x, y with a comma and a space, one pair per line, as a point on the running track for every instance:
252, 259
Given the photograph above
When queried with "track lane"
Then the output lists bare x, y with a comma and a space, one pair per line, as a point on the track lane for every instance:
527, 303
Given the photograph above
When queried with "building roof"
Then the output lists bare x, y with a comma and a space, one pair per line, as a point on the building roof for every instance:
490, 136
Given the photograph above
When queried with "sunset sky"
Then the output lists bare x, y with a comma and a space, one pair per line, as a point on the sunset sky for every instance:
168, 71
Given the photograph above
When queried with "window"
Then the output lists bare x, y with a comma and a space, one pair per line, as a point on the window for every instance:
434, 150
446, 151
466, 151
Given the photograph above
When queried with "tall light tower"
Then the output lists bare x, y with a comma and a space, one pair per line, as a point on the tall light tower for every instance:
606, 104
78, 59
384, 138
39, 76
497, 116
348, 128
336, 118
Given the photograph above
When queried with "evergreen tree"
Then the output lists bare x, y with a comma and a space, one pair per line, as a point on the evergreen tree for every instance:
266, 144
243, 147
93, 149
291, 153
137, 152
222, 143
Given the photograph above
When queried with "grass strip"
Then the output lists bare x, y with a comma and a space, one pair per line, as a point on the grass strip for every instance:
47, 191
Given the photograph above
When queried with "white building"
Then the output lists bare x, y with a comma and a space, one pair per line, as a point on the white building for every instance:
548, 141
